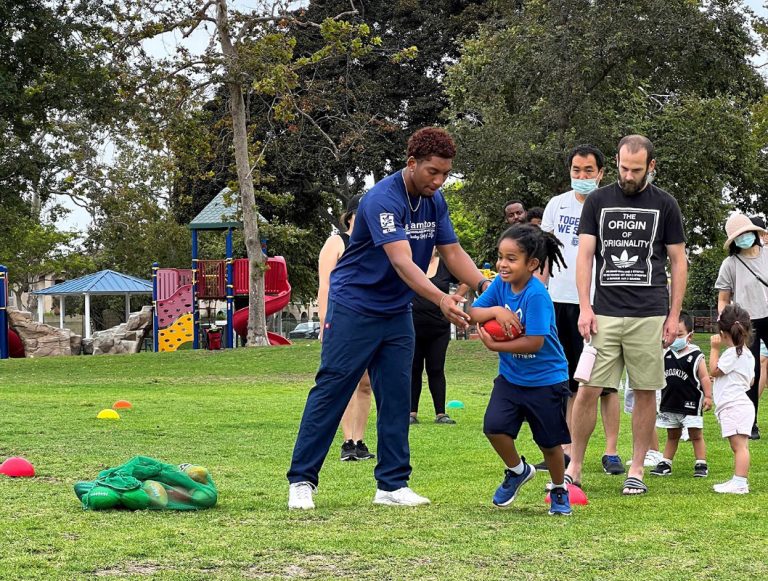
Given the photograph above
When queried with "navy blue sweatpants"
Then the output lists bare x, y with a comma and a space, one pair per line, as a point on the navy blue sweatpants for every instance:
352, 343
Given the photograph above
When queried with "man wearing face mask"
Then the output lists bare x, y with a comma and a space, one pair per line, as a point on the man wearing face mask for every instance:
630, 228
561, 217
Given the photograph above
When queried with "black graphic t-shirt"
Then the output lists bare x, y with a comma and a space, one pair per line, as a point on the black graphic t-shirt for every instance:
632, 235
683, 393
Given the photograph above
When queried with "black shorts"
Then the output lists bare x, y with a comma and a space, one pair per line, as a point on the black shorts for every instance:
542, 407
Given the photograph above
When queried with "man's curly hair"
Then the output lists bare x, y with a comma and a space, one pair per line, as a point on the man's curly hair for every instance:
431, 141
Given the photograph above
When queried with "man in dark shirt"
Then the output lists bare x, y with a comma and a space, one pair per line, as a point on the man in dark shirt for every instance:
630, 228
368, 322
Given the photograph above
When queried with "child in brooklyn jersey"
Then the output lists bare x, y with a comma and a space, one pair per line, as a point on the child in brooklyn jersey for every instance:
734, 372
533, 373
687, 394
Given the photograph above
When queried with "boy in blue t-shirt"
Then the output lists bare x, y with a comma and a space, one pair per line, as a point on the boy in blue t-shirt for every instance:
532, 384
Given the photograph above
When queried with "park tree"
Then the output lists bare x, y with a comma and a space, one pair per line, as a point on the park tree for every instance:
357, 112
53, 86
31, 249
700, 293
250, 54
54, 94
132, 224
548, 75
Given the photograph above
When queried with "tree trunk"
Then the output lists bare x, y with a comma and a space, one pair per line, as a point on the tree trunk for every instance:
257, 321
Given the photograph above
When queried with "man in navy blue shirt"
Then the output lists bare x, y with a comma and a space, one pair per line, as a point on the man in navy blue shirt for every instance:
368, 322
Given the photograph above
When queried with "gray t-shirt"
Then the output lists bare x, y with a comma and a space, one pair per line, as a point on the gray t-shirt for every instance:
745, 289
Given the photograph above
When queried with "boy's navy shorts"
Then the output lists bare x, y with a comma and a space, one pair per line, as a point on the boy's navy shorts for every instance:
542, 407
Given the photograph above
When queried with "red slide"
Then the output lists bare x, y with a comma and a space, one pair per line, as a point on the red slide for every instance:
15, 346
240, 325
277, 292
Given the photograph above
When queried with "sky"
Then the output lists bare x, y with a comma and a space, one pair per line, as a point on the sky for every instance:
78, 219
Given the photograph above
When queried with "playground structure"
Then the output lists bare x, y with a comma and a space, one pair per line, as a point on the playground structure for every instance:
177, 292
10, 342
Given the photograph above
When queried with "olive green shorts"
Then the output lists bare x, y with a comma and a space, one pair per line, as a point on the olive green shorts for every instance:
631, 342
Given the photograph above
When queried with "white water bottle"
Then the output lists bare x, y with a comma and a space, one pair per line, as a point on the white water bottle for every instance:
583, 371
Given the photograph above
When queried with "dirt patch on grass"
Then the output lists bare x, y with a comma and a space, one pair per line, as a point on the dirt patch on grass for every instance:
127, 570
305, 567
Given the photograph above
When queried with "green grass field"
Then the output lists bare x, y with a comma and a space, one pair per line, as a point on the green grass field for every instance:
238, 412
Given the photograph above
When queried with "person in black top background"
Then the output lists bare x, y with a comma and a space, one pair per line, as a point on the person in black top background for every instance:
433, 333
355, 418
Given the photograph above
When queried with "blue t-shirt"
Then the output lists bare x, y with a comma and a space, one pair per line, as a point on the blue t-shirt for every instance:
534, 308
364, 279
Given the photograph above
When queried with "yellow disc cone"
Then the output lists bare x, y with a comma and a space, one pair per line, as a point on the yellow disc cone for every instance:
108, 415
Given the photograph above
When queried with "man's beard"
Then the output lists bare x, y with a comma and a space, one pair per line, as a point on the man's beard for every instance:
631, 188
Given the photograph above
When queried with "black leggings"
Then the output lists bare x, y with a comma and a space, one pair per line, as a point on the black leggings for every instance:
431, 345
760, 331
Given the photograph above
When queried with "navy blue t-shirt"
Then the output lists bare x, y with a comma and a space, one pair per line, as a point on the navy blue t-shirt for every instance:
534, 308
364, 279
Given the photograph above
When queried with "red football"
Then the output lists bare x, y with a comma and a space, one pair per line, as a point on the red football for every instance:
493, 328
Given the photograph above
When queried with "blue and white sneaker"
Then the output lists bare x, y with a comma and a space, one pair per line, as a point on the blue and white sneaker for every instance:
507, 492
559, 502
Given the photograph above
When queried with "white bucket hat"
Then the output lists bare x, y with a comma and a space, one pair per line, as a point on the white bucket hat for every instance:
738, 224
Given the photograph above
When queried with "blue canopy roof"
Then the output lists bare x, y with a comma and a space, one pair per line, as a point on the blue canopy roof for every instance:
106, 282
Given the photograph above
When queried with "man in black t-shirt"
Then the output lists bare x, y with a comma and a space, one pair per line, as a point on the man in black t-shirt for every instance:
629, 228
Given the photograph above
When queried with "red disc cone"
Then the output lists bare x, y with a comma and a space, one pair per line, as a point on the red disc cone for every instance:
17, 467
575, 494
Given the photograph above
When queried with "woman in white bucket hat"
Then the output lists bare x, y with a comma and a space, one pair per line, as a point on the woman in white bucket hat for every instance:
743, 279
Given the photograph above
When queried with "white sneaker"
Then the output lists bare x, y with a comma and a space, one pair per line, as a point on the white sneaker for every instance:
652, 458
731, 487
300, 496
684, 435
400, 497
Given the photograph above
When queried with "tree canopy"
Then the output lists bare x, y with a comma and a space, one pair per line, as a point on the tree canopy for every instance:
297, 107
548, 75
354, 114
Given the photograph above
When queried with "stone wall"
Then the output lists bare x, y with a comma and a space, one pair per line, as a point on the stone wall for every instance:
42, 340
124, 338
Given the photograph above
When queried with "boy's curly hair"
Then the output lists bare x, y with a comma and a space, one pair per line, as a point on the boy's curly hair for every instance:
431, 141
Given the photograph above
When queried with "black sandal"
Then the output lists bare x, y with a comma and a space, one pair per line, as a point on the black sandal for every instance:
636, 485
569, 480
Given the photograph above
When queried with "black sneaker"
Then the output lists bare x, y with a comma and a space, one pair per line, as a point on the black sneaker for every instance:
700, 470
613, 465
663, 468
362, 452
413, 420
542, 466
755, 435
348, 451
